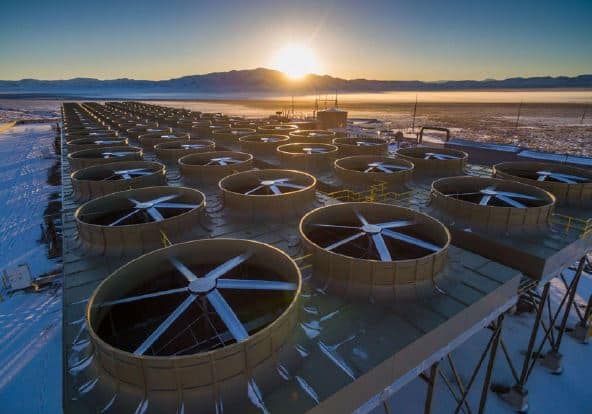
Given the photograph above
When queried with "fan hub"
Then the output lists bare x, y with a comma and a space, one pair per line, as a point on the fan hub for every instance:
144, 206
374, 164
202, 285
268, 182
544, 172
371, 229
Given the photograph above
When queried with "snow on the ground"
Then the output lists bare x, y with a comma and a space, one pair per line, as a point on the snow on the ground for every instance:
30, 323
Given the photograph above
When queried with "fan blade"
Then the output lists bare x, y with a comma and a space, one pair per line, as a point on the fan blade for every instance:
410, 240
221, 162
361, 218
184, 270
395, 224
509, 201
248, 284
162, 199
176, 205
155, 214
232, 161
225, 312
144, 346
126, 176
344, 241
369, 169
337, 226
485, 200
381, 248
288, 185
227, 266
121, 219
384, 169
516, 195
275, 190
142, 297
253, 190
542, 177
564, 179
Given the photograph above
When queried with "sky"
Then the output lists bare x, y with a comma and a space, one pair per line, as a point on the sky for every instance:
389, 39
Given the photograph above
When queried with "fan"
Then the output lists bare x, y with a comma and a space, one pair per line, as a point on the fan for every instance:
239, 289
493, 197
378, 166
378, 240
138, 212
368, 143
223, 161
128, 174
113, 154
315, 150
276, 186
193, 146
557, 176
439, 156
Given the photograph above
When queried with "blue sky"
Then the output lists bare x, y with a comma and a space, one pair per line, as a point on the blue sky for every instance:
396, 39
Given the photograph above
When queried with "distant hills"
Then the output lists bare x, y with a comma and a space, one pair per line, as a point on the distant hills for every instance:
267, 81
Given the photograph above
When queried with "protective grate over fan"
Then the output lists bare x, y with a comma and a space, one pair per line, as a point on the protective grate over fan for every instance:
361, 146
307, 157
312, 136
437, 162
374, 249
571, 186
172, 151
362, 171
211, 167
203, 314
262, 144
99, 180
491, 204
268, 193
103, 155
134, 220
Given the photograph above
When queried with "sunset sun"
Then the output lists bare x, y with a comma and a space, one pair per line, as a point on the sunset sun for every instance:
295, 61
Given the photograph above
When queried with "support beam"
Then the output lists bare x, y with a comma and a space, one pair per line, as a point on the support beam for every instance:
431, 385
488, 374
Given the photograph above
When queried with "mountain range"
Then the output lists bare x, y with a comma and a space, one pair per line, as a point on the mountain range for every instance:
268, 81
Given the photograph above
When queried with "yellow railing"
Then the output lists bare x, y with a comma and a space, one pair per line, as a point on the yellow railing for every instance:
165, 240
569, 223
376, 192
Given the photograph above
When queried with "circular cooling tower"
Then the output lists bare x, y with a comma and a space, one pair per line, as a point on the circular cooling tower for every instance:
307, 157
172, 151
268, 193
99, 180
149, 140
490, 204
437, 162
277, 129
244, 124
201, 129
375, 250
211, 167
89, 143
363, 171
195, 323
262, 144
99, 134
361, 146
571, 186
135, 132
230, 136
95, 156
134, 220
316, 136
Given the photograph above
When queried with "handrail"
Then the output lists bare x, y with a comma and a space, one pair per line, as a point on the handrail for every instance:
431, 128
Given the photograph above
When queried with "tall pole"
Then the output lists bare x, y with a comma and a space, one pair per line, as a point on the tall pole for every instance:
518, 116
414, 113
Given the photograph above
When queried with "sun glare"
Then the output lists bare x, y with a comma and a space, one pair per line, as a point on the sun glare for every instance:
295, 61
